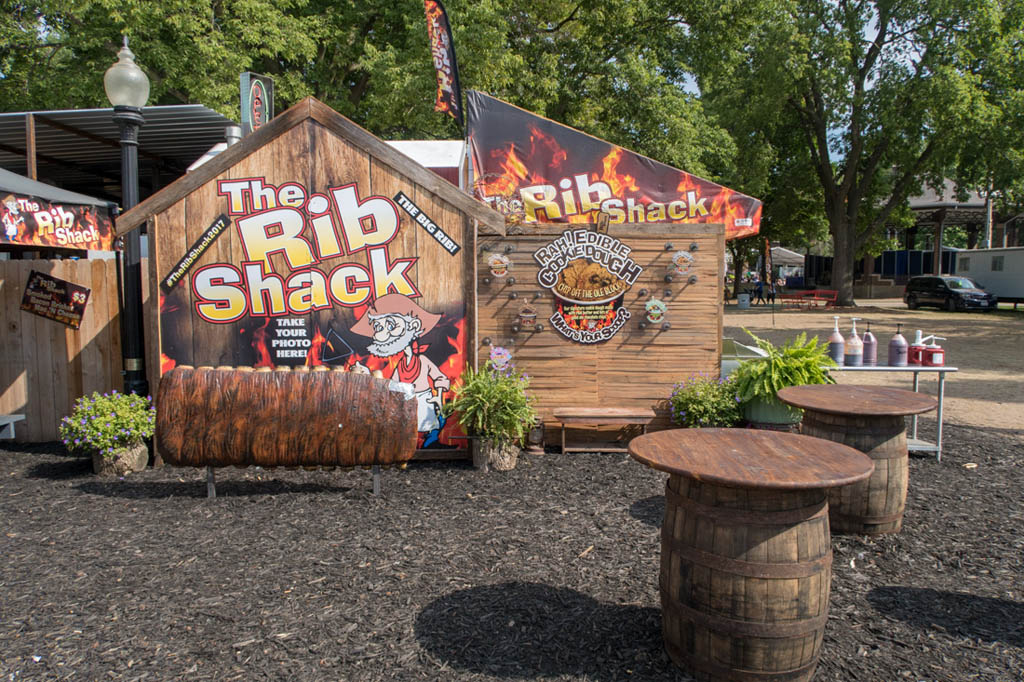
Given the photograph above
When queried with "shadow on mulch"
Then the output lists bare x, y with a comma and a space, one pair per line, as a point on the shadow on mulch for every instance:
162, 490
61, 470
520, 629
650, 510
993, 620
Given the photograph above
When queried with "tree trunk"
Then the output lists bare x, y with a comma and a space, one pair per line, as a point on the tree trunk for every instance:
842, 262
737, 274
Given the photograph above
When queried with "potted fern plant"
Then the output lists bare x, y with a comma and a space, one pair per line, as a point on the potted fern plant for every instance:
495, 409
757, 381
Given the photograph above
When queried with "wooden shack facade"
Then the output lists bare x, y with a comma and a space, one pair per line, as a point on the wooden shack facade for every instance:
294, 246
289, 247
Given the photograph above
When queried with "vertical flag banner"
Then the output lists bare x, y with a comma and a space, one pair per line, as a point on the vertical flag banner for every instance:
442, 48
537, 171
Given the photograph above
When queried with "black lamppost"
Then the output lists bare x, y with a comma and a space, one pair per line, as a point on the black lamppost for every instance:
128, 89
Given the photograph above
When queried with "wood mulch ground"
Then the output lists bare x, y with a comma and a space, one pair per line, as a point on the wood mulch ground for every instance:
547, 572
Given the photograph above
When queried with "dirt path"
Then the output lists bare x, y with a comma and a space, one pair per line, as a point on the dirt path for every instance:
987, 348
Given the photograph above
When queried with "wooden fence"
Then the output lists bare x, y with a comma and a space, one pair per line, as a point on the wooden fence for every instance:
44, 365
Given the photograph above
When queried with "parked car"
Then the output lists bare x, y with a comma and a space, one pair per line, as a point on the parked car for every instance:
952, 292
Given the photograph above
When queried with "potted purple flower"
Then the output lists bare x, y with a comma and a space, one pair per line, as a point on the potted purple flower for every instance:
112, 428
703, 401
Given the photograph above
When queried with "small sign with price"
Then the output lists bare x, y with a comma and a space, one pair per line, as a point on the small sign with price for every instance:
55, 299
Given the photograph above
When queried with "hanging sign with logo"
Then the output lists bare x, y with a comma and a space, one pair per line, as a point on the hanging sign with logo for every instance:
589, 274
55, 299
33, 221
257, 101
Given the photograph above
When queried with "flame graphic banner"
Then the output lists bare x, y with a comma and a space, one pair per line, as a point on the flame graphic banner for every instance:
442, 49
537, 171
33, 221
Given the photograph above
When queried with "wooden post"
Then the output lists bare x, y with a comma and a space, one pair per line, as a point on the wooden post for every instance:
940, 224
30, 145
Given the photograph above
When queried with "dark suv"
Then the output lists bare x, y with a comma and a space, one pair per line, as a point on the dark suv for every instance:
951, 292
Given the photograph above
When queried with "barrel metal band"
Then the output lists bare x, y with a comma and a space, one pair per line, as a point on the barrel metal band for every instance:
726, 673
745, 628
862, 519
828, 429
745, 516
749, 569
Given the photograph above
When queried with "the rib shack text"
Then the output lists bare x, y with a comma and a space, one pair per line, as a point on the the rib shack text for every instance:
305, 229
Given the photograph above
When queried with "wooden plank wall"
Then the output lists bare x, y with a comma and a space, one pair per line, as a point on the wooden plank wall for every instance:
46, 365
318, 158
635, 368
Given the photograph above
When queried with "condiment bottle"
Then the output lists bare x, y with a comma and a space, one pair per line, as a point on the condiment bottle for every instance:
853, 355
870, 347
933, 355
836, 343
916, 349
898, 349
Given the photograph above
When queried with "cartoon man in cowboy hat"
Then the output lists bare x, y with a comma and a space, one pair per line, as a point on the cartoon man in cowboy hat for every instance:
395, 322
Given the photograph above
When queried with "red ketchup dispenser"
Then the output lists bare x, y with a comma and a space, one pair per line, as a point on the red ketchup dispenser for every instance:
916, 350
933, 355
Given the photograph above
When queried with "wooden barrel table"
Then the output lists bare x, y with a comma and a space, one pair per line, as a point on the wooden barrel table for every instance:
746, 561
870, 419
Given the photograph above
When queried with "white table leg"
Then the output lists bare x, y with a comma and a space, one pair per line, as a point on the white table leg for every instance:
938, 417
913, 433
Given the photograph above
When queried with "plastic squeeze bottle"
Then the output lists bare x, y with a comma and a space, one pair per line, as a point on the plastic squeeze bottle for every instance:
916, 350
836, 343
898, 349
870, 347
853, 355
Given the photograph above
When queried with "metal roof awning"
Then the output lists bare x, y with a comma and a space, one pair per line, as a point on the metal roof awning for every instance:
79, 149
19, 184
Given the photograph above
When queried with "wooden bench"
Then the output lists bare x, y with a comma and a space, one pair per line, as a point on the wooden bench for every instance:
570, 417
811, 297
7, 422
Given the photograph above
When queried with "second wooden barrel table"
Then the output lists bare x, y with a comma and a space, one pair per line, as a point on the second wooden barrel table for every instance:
871, 419
745, 557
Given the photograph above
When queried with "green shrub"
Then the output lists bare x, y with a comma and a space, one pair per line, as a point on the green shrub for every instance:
797, 363
494, 404
704, 401
107, 423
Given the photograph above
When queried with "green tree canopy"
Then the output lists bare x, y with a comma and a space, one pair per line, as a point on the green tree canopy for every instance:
873, 98
606, 68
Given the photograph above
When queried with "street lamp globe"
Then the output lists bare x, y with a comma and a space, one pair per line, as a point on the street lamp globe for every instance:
126, 84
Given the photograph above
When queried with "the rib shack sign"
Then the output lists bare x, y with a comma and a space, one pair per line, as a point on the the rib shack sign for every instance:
544, 172
301, 226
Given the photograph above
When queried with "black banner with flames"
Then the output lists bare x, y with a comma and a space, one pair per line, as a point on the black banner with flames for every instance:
442, 48
33, 221
537, 171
